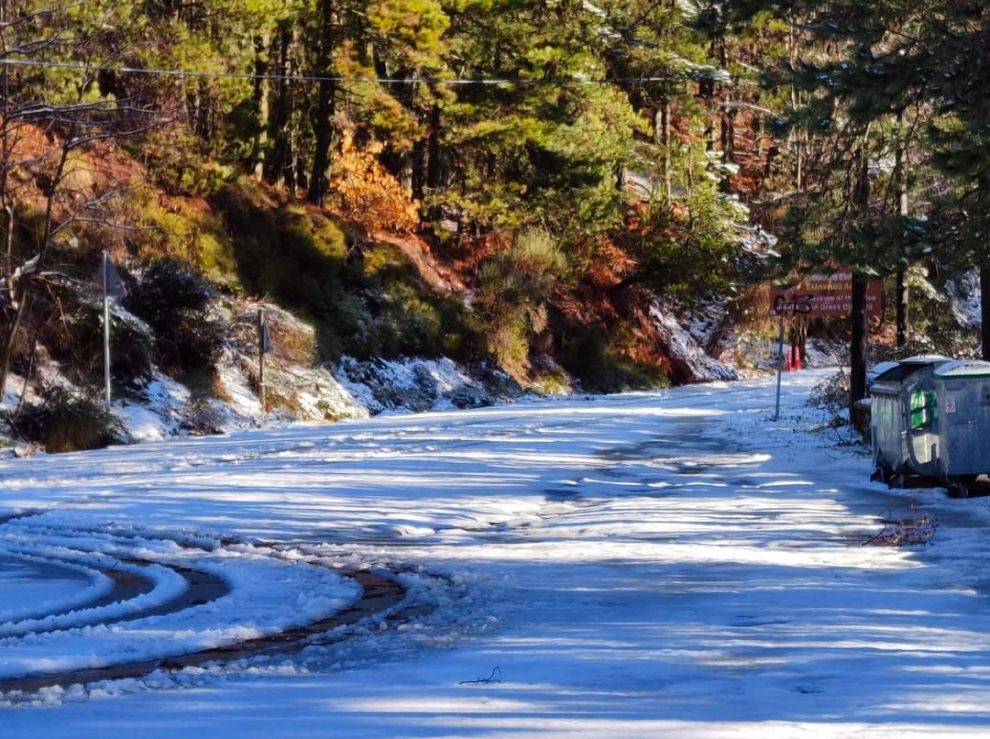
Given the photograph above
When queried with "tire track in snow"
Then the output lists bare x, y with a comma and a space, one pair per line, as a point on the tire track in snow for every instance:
200, 588
381, 594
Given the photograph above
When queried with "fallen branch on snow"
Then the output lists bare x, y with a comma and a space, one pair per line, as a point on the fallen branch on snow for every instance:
904, 533
485, 680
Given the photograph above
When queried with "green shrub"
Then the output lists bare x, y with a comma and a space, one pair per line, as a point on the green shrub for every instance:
291, 254
178, 229
363, 302
407, 318
174, 302
513, 289
587, 353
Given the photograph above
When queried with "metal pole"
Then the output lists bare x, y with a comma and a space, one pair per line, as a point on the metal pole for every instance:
261, 358
780, 366
106, 330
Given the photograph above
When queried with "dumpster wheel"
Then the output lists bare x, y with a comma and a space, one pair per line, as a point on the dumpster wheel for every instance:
882, 473
960, 487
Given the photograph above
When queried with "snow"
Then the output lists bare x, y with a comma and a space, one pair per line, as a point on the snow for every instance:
685, 352
30, 586
274, 593
964, 299
410, 384
298, 388
653, 564
159, 416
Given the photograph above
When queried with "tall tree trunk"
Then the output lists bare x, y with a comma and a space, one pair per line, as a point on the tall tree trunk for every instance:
418, 163
260, 142
662, 137
857, 347
204, 128
5, 152
10, 339
278, 160
293, 164
728, 135
859, 333
799, 163
19, 289
902, 296
985, 309
427, 166
706, 91
323, 112
901, 307
794, 138
436, 168
727, 123
434, 171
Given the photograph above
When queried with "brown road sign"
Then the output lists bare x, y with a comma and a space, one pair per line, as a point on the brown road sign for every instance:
828, 294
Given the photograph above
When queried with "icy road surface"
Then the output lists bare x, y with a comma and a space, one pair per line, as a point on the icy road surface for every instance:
671, 564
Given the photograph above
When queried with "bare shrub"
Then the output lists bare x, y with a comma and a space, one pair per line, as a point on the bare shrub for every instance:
832, 395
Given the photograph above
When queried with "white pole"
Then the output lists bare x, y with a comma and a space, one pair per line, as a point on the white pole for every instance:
106, 330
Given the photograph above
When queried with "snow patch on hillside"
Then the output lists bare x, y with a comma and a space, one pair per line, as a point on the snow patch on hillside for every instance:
689, 361
158, 413
296, 387
299, 389
412, 384
964, 299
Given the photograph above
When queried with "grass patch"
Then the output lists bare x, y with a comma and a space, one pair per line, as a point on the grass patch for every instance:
185, 230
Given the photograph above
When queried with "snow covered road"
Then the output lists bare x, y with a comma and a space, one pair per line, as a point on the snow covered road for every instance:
668, 564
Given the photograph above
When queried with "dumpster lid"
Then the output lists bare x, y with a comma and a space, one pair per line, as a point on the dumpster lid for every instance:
879, 368
964, 369
899, 371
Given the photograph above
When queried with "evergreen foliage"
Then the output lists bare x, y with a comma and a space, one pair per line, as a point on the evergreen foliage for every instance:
551, 153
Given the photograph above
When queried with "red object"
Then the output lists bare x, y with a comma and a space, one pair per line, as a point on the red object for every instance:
795, 358
787, 363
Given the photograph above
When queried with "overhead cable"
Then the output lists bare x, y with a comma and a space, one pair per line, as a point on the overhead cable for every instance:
248, 76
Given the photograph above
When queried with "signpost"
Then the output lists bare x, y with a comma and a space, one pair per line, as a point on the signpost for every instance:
113, 287
780, 367
825, 295
265, 346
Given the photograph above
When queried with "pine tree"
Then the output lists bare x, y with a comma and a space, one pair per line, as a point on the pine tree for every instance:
931, 58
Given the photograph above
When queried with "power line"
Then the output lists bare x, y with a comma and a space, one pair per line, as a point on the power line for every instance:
248, 76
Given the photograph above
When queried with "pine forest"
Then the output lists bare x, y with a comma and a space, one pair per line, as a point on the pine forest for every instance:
556, 195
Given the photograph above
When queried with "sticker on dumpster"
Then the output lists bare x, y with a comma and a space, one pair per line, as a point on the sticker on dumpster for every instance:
950, 406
